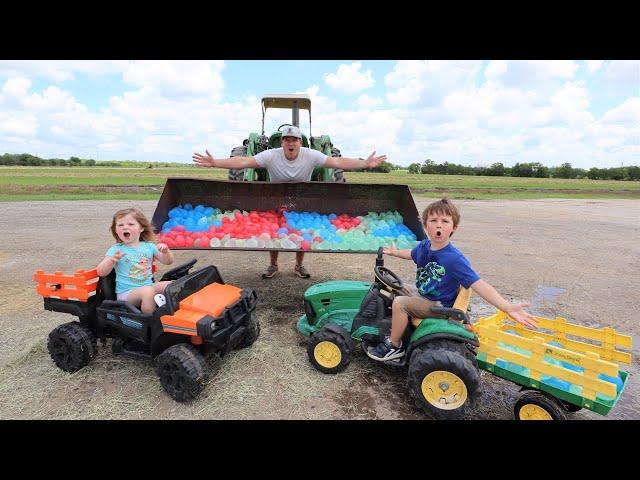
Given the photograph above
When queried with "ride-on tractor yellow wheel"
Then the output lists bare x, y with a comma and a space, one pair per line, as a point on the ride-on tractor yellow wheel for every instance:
443, 378
536, 405
330, 349
444, 390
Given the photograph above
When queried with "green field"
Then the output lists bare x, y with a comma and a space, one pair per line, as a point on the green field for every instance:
88, 183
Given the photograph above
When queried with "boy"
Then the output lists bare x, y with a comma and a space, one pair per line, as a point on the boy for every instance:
442, 268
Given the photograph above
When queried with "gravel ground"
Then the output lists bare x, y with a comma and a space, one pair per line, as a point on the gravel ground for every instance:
579, 259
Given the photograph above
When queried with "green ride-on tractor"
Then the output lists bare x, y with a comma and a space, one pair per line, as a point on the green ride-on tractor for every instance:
257, 143
443, 375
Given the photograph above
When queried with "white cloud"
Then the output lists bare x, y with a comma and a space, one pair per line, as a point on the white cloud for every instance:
177, 79
594, 65
626, 113
349, 79
60, 70
424, 83
621, 74
522, 73
365, 101
463, 112
16, 87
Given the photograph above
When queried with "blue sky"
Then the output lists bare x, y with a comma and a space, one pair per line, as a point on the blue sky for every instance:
470, 112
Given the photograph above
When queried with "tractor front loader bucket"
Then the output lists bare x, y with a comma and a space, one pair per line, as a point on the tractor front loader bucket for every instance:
325, 198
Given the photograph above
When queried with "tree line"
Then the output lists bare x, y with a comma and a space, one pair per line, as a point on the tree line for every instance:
27, 160
534, 170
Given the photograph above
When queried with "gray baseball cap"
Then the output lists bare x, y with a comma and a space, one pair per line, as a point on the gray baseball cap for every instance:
291, 131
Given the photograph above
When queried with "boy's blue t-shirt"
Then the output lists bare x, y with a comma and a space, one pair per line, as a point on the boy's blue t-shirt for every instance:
441, 272
134, 267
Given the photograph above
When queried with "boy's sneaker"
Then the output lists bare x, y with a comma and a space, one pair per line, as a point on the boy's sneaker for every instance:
385, 351
301, 271
270, 271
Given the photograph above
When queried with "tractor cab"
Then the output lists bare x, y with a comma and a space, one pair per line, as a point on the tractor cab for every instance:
257, 143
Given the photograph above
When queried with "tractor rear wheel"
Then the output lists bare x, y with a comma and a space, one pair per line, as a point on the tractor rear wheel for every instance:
536, 405
237, 174
443, 379
182, 371
329, 350
72, 346
252, 332
338, 173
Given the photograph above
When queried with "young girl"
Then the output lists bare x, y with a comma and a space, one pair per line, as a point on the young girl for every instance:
132, 257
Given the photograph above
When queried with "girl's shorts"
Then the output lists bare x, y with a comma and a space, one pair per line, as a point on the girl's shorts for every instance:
123, 296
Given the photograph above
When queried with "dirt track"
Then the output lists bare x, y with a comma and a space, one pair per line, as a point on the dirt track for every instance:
579, 259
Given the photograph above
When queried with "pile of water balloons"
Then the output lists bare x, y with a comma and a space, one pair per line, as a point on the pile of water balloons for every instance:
549, 379
205, 226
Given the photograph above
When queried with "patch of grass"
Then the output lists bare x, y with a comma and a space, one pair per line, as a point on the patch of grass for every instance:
111, 183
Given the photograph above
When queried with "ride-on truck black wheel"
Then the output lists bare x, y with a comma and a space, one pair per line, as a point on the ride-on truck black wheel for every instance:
443, 378
536, 405
252, 333
330, 349
182, 371
72, 346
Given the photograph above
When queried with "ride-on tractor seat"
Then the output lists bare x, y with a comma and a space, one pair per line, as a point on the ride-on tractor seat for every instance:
108, 286
461, 304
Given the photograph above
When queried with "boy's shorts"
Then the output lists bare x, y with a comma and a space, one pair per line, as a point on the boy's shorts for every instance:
417, 307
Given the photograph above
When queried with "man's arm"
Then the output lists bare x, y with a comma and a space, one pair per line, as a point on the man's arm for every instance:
354, 163
231, 162
491, 295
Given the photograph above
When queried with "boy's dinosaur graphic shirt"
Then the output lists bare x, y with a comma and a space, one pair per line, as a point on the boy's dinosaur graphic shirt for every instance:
441, 272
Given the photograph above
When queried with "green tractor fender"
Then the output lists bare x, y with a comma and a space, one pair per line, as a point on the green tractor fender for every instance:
439, 328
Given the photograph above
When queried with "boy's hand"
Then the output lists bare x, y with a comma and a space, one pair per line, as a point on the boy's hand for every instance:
116, 257
518, 313
163, 247
392, 250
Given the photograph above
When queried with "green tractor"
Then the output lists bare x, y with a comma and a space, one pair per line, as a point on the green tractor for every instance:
257, 143
443, 375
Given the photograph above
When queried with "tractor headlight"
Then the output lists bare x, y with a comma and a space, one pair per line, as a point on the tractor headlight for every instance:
213, 325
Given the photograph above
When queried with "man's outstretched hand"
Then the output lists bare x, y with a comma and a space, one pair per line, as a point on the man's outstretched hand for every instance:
204, 160
372, 161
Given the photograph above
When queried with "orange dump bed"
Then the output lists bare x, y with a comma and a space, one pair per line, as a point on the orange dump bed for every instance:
79, 286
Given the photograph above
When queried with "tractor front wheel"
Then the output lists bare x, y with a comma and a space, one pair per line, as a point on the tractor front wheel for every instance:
329, 350
443, 379
182, 371
72, 346
535, 405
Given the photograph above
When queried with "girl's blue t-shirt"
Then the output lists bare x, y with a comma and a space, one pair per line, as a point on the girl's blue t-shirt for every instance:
134, 267
441, 272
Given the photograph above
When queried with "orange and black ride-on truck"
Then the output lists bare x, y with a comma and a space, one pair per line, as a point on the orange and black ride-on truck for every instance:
203, 319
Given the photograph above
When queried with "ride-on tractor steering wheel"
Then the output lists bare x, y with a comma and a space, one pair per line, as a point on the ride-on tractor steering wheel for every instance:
387, 278
179, 271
